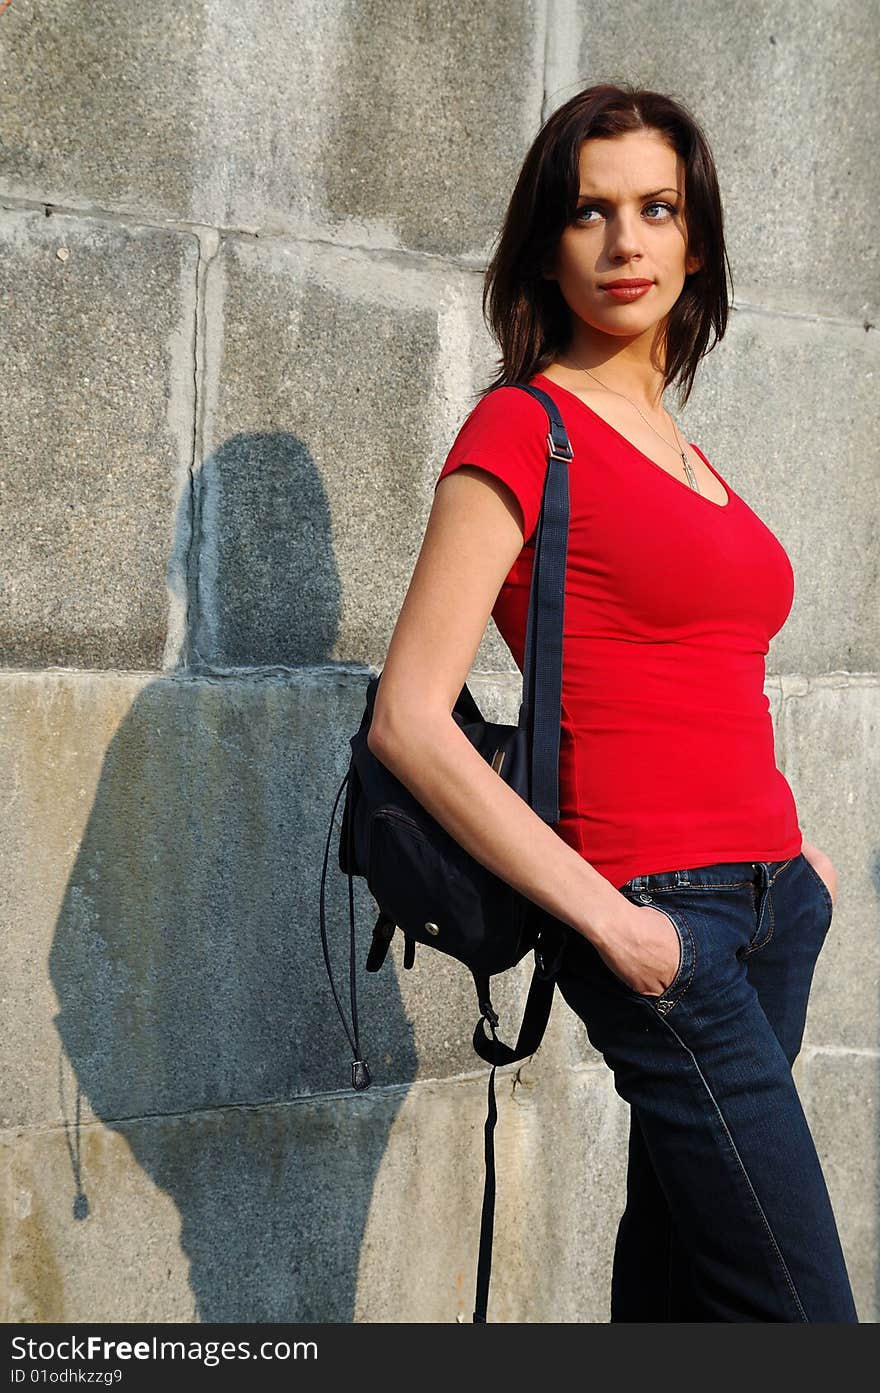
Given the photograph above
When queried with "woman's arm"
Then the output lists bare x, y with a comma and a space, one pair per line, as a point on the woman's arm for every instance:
473, 536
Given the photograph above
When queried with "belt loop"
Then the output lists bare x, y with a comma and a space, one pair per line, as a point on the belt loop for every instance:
682, 878
637, 882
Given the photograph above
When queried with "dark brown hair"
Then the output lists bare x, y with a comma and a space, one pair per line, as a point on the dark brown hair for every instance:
526, 312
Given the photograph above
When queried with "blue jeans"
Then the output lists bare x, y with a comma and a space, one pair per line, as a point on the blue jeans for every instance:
727, 1215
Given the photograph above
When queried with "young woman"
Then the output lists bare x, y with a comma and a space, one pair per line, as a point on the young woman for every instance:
694, 909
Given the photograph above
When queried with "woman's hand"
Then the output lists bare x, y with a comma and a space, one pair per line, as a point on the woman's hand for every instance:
642, 949
823, 866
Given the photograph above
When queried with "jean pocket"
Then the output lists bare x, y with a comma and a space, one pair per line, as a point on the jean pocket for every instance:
686, 960
820, 885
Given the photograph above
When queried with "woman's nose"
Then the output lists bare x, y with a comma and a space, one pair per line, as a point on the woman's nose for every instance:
623, 238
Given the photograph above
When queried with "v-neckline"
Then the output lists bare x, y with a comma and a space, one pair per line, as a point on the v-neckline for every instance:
721, 507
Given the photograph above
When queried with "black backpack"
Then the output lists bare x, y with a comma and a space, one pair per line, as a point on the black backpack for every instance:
424, 882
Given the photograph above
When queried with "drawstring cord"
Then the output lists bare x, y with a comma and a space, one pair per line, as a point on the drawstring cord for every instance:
360, 1074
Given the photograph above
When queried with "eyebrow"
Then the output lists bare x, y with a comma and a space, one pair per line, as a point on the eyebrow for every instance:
651, 194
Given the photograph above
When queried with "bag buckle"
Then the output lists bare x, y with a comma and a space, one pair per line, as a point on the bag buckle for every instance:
555, 451
490, 1014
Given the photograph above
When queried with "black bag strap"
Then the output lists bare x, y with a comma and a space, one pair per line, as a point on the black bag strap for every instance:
541, 708
531, 1033
541, 714
495, 1052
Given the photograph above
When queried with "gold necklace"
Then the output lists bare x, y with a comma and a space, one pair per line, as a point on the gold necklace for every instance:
691, 477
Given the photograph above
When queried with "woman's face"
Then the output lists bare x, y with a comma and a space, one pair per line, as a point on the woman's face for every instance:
629, 223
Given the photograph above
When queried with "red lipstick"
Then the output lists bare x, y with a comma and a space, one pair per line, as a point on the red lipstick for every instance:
627, 288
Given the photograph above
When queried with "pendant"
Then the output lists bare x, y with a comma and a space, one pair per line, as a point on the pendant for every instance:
690, 473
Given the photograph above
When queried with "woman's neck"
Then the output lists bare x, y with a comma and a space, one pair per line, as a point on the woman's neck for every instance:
644, 388
632, 366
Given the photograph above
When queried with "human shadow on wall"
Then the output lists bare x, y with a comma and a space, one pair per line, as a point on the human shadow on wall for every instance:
187, 960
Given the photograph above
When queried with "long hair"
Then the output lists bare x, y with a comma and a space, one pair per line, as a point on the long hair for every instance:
525, 312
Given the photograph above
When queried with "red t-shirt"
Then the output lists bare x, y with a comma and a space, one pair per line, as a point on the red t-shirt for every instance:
667, 756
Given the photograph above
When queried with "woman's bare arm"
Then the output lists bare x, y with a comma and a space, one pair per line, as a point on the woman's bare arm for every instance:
473, 536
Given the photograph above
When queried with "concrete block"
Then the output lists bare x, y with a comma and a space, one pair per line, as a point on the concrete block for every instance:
560, 1146
232, 1215
828, 749
840, 1099
360, 122
107, 107
320, 462
5, 1221
97, 334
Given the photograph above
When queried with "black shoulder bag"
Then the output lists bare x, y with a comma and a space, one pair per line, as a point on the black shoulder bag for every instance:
424, 882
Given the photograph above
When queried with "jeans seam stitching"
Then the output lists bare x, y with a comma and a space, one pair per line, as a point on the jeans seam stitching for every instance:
756, 947
699, 885
829, 903
683, 987
681, 927
742, 1167
778, 873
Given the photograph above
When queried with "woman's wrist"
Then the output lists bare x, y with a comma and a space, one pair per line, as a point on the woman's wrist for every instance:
604, 910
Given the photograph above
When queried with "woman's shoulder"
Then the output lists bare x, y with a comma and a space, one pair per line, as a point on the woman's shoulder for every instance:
505, 419
505, 433
508, 402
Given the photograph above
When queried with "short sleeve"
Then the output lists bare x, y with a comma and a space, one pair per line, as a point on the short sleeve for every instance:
506, 434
